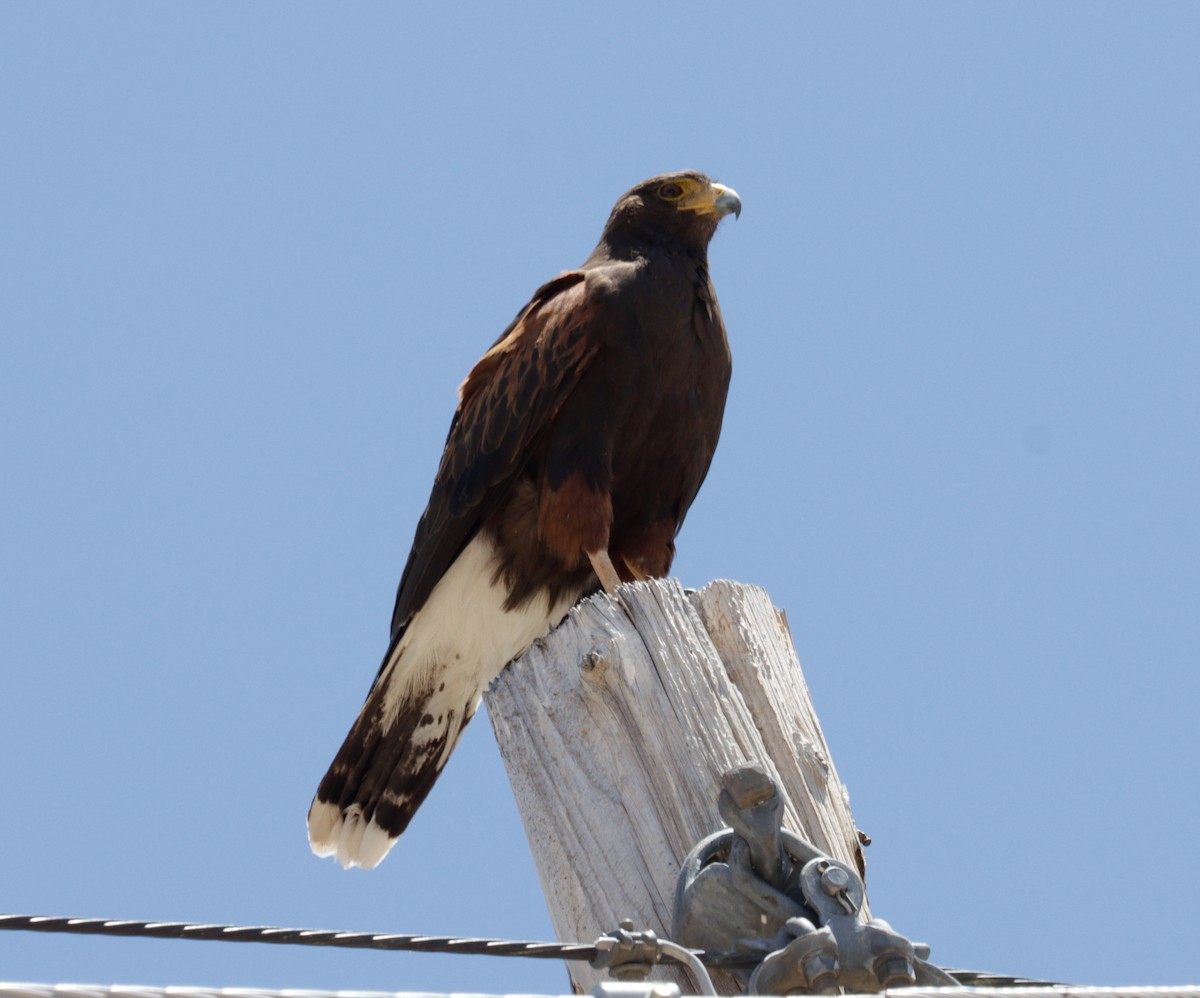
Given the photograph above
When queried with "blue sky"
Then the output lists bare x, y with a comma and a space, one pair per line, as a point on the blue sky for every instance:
248, 251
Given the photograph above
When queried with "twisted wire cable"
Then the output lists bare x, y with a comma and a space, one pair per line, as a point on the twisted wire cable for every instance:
585, 952
300, 937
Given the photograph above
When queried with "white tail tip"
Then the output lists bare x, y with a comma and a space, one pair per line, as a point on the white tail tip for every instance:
346, 837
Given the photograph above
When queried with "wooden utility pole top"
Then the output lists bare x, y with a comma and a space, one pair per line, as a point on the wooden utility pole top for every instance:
617, 728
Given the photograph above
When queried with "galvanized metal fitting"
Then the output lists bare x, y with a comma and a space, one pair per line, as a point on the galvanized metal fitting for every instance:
627, 954
757, 890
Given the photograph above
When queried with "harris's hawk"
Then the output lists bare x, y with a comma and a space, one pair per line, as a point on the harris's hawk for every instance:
580, 440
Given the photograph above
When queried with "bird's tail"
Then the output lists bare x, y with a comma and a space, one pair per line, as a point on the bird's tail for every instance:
388, 763
428, 689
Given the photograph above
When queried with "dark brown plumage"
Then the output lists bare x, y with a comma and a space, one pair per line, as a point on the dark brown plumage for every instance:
580, 440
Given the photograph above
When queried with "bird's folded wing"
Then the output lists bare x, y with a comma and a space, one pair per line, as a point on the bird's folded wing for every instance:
505, 405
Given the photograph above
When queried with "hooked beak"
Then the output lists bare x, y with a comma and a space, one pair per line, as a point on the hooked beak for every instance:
726, 201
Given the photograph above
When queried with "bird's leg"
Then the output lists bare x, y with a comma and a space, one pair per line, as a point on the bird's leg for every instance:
603, 567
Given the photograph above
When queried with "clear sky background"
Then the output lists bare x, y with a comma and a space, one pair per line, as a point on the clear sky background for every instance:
247, 253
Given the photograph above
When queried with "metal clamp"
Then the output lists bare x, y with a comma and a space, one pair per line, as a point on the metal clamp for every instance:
796, 914
629, 956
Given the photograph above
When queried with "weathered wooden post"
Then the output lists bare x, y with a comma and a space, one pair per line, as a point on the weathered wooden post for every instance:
617, 728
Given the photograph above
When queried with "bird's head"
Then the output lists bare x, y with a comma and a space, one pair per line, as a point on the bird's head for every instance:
683, 207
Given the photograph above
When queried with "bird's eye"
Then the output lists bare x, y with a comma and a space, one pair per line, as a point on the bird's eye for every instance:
670, 192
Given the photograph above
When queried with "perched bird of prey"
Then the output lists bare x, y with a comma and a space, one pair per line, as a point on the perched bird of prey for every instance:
580, 440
